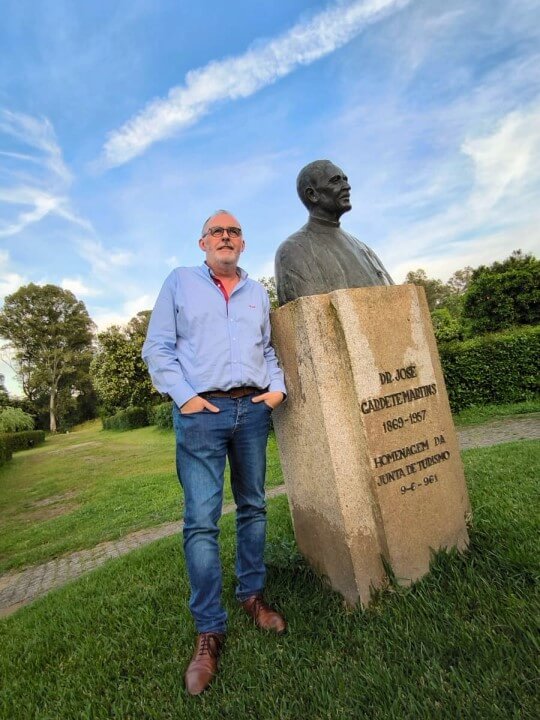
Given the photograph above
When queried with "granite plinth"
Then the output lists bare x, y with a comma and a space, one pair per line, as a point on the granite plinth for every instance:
367, 443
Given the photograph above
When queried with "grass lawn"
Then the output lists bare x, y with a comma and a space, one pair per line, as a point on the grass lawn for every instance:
459, 644
79, 489
93, 485
479, 415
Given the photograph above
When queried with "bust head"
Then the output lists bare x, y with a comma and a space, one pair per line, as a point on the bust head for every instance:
324, 189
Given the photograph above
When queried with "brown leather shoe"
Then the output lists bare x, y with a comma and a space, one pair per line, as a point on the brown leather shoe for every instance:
204, 663
264, 616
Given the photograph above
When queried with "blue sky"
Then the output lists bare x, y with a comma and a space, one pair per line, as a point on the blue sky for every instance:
124, 125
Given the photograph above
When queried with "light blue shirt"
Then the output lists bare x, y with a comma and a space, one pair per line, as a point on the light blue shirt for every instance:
197, 341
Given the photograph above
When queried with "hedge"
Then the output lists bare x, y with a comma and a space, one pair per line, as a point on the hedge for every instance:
161, 415
497, 368
5, 451
23, 440
128, 419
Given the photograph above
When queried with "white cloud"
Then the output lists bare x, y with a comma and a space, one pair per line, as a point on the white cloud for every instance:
79, 288
10, 281
45, 191
105, 317
498, 212
243, 75
102, 260
506, 159
41, 203
39, 134
143, 302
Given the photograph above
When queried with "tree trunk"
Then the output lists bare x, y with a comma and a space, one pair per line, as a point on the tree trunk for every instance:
52, 410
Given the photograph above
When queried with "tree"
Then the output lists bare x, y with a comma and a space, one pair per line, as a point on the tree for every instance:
436, 290
50, 334
504, 294
119, 374
4, 397
269, 283
459, 282
14, 420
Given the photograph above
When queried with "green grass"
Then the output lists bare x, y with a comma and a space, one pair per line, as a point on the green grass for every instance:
485, 413
462, 643
100, 485
103, 484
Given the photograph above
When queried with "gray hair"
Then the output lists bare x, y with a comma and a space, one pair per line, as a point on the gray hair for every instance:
212, 216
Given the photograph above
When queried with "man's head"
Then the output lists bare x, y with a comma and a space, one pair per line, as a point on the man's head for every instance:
222, 241
324, 190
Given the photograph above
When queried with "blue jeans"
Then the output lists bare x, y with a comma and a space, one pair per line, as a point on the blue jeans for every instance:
203, 442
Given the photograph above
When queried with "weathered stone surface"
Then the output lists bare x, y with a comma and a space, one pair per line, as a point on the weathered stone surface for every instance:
367, 443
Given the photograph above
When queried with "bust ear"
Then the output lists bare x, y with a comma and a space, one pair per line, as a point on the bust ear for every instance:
311, 195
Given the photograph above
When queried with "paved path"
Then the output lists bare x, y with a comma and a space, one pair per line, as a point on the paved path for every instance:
19, 588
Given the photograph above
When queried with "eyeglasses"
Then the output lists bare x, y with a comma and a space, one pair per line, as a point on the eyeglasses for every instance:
218, 231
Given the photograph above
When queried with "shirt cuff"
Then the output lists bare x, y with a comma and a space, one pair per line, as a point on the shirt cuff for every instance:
278, 386
181, 395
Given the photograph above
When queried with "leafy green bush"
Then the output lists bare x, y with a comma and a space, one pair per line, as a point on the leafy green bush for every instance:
445, 326
5, 452
128, 419
496, 368
14, 420
161, 415
504, 295
23, 440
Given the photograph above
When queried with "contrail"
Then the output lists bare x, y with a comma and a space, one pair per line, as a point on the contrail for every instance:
243, 75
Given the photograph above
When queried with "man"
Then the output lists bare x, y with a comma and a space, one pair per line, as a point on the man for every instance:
322, 257
208, 347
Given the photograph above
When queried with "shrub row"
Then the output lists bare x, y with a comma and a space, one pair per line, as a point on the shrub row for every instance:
23, 440
5, 452
128, 419
161, 415
496, 368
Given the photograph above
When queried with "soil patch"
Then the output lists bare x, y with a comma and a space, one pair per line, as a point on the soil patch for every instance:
46, 513
74, 447
50, 507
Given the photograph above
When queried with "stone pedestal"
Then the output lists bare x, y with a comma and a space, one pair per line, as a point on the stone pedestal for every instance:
366, 439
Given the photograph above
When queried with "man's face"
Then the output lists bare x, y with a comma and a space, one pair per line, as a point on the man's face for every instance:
333, 192
221, 251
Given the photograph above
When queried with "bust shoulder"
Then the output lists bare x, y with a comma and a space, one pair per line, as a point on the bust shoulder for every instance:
293, 243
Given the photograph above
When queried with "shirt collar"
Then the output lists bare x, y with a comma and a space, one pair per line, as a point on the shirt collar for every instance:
208, 271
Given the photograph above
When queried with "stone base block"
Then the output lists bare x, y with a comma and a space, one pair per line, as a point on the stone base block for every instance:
366, 439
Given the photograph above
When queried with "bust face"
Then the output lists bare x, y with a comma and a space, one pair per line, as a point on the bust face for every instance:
331, 196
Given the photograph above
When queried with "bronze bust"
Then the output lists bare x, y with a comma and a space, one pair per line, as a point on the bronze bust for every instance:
321, 257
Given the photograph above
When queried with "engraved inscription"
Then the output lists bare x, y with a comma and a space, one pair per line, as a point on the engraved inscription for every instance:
400, 422
417, 486
427, 451
397, 398
401, 453
403, 373
412, 468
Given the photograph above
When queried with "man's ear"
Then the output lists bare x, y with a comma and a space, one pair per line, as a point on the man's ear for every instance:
202, 244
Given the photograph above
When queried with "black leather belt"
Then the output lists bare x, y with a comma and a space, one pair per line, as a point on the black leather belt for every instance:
237, 392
